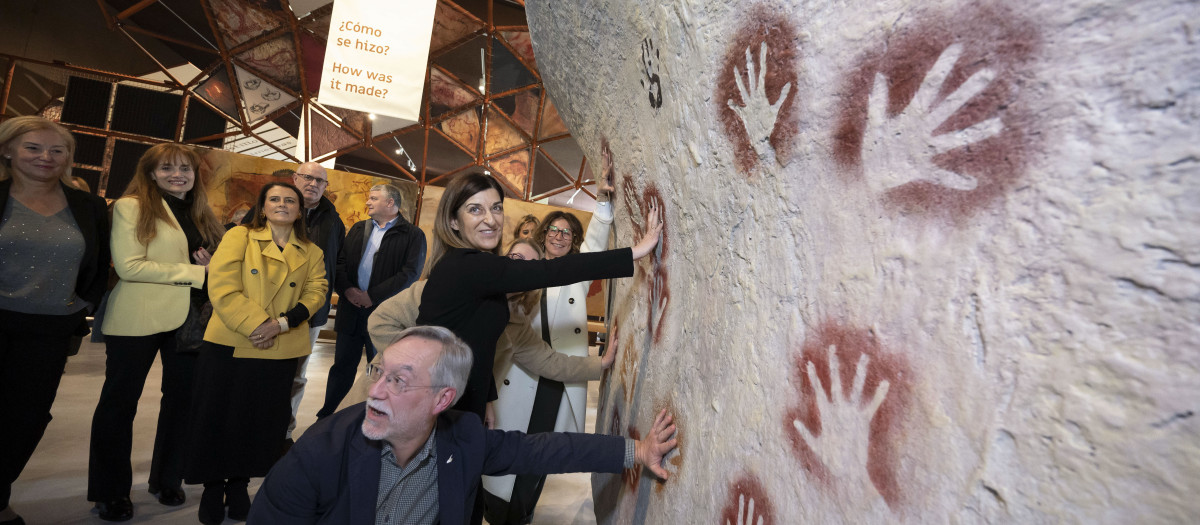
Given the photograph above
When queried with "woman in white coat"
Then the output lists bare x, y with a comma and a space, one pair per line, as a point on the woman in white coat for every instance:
526, 401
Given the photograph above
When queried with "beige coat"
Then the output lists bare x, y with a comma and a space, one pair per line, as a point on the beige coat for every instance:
251, 281
518, 345
153, 293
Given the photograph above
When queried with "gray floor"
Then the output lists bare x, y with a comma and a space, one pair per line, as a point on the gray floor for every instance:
53, 487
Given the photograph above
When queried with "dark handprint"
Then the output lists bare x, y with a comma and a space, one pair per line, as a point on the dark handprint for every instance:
652, 82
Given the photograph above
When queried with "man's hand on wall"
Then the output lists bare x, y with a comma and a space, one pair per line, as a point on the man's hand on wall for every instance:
658, 443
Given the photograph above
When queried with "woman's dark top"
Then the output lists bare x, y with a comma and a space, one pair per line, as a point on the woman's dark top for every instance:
466, 293
180, 208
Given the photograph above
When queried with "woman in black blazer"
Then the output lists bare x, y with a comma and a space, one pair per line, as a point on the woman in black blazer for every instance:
468, 280
53, 271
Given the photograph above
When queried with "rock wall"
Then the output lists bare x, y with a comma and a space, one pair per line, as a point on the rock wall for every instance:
975, 224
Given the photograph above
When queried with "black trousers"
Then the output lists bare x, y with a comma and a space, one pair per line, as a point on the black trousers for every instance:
33, 353
348, 350
129, 360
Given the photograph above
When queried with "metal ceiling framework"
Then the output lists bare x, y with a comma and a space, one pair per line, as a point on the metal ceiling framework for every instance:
495, 114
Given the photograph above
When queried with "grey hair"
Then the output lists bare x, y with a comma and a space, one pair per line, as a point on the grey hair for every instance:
390, 190
454, 362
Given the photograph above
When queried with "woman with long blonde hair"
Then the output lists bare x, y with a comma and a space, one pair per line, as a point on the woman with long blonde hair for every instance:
162, 239
53, 271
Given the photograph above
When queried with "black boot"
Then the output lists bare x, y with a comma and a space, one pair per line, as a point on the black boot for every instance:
212, 506
237, 499
116, 509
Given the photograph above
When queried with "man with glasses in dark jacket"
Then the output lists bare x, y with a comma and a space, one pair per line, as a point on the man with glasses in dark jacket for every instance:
381, 257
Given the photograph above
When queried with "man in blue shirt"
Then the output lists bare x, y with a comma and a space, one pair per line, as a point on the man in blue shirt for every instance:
381, 257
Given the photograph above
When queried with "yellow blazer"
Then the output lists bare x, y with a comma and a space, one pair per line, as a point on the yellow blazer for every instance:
250, 281
152, 295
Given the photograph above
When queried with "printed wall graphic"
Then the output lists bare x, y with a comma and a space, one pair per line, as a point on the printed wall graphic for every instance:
748, 503
651, 80
846, 429
934, 123
754, 99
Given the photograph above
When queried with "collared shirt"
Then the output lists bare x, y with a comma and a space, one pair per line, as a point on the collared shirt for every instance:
368, 259
408, 494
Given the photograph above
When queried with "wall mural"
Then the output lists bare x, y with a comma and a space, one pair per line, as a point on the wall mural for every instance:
920, 250
234, 181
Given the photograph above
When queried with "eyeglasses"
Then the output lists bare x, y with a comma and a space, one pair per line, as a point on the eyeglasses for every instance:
563, 233
394, 383
516, 256
310, 178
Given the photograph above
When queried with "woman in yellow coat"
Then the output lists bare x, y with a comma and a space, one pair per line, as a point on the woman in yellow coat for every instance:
163, 230
265, 281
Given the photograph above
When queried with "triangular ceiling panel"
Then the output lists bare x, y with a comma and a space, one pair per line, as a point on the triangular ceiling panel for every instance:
464, 129
521, 108
465, 61
444, 156
216, 91
522, 43
259, 97
547, 177
239, 22
408, 150
275, 59
513, 169
447, 94
501, 135
319, 24
451, 25
566, 153
508, 73
327, 136
552, 124
312, 55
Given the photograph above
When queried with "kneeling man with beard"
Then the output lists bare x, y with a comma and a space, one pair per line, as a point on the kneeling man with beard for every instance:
404, 457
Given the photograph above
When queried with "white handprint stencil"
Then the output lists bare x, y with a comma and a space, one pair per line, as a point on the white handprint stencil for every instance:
748, 503
757, 113
745, 514
843, 443
900, 149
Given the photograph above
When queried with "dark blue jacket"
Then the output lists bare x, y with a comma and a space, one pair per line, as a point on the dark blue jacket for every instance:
332, 474
398, 264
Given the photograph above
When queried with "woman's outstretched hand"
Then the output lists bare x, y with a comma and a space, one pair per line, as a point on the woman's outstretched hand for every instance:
654, 225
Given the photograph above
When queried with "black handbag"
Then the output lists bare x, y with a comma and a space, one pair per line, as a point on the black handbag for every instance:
190, 335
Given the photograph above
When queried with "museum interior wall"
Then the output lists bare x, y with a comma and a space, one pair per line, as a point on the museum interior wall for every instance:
924, 262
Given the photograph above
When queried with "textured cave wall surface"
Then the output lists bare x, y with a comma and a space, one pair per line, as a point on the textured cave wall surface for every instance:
976, 224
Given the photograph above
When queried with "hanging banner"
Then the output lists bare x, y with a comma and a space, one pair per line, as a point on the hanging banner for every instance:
376, 56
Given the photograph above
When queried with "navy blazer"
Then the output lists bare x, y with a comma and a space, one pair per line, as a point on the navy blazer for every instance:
398, 264
332, 474
91, 214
